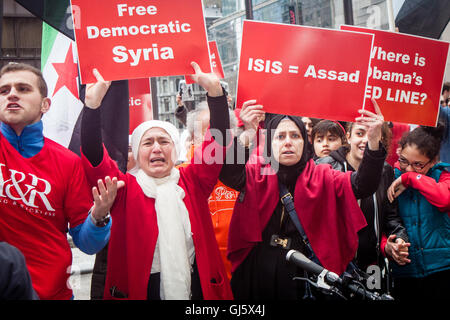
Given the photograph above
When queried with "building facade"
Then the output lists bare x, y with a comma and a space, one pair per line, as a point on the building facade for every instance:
21, 35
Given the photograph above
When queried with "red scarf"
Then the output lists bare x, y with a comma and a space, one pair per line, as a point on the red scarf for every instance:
325, 204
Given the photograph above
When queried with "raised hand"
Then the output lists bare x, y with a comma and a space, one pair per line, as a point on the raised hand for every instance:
373, 122
251, 114
104, 196
95, 92
208, 81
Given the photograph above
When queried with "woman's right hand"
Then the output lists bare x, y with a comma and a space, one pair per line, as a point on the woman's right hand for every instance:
95, 92
251, 114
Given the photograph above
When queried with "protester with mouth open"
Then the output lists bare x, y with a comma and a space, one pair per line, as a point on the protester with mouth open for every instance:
261, 229
43, 189
162, 242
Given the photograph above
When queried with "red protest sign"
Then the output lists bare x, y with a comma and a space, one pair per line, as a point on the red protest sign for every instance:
215, 59
304, 71
140, 39
406, 76
215, 62
140, 101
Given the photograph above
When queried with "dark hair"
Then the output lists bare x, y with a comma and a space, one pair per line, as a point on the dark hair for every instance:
446, 87
333, 127
426, 139
386, 133
16, 67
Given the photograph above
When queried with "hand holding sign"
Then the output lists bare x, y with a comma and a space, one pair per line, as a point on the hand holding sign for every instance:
303, 71
251, 114
138, 39
95, 92
373, 122
208, 81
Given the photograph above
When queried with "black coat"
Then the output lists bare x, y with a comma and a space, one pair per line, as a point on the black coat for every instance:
15, 281
389, 221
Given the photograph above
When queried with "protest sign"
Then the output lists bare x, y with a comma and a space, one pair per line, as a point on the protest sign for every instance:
140, 102
140, 39
406, 76
304, 71
216, 64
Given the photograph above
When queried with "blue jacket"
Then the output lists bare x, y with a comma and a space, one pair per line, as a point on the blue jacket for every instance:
428, 231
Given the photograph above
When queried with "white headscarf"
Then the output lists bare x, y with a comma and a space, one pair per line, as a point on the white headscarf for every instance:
174, 252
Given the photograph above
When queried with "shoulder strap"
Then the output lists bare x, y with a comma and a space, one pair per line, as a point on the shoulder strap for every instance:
287, 200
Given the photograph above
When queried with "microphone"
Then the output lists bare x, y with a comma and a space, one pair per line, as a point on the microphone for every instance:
303, 262
325, 278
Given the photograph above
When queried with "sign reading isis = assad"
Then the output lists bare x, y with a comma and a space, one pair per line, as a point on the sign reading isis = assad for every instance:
304, 71
140, 39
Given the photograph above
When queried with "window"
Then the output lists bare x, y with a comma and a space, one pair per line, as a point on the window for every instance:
21, 40
166, 105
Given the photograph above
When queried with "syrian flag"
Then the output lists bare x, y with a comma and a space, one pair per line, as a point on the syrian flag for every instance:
59, 62
60, 70
56, 13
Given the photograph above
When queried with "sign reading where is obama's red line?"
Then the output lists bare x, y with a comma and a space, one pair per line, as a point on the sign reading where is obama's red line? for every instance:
406, 76
304, 71
140, 39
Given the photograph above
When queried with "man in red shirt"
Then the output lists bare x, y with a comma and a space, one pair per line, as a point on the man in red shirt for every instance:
43, 189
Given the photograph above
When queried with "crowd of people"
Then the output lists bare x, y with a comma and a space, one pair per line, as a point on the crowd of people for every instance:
217, 225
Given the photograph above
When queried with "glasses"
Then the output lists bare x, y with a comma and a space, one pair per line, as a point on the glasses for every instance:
416, 165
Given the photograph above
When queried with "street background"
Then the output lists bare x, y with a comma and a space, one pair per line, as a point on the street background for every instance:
80, 280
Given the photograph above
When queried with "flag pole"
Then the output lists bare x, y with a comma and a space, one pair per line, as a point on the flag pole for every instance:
390, 9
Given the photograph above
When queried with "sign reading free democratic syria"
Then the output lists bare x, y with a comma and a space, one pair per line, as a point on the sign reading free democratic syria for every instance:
140, 39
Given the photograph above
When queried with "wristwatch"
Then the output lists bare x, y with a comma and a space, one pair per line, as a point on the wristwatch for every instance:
102, 222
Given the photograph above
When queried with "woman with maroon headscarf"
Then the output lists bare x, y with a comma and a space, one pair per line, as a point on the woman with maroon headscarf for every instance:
261, 230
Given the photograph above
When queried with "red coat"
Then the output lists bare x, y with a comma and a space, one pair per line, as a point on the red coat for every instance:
324, 202
134, 229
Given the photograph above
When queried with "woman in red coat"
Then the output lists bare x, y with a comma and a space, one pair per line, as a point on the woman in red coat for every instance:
162, 243
261, 230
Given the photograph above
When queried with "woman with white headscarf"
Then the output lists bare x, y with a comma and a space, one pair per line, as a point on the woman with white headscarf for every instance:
162, 243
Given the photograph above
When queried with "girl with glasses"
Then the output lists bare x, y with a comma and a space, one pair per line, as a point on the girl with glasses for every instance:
422, 187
